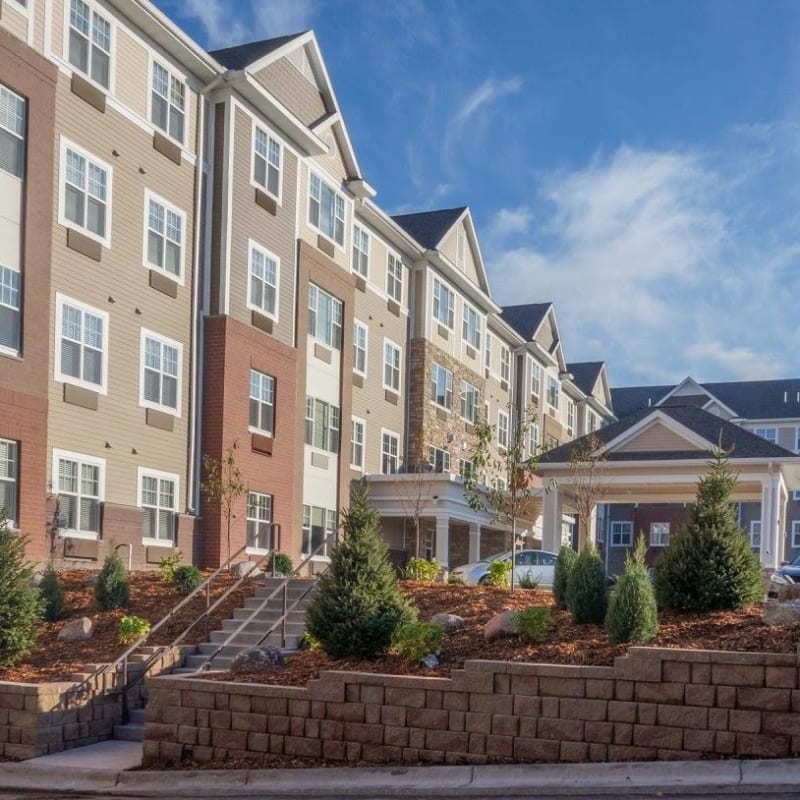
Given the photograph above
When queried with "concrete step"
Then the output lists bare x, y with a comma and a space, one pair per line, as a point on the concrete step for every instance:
129, 733
195, 662
266, 616
250, 637
137, 716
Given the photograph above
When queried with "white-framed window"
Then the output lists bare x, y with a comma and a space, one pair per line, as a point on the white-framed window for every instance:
324, 317
89, 42
471, 327
267, 162
394, 277
322, 425
357, 431
164, 236
438, 459
621, 533
360, 339
505, 364
392, 358
441, 386
502, 428
536, 377
12, 132
444, 304
795, 532
9, 479
550, 442
796, 495
318, 525
797, 440
770, 434
158, 494
259, 522
360, 251
10, 301
79, 482
326, 209
168, 102
533, 438
755, 534
161, 373
262, 286
262, 403
81, 344
659, 534
390, 453
85, 197
570, 414
465, 467
591, 421
553, 391
470, 397
487, 352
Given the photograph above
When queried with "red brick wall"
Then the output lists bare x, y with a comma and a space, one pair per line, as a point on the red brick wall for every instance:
645, 514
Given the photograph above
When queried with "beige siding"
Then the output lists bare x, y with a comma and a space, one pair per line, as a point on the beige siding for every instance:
284, 81
274, 233
657, 438
38, 28
332, 161
119, 286
58, 28
14, 20
450, 248
131, 72
547, 335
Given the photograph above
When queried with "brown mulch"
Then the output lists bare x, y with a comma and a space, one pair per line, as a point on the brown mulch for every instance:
151, 597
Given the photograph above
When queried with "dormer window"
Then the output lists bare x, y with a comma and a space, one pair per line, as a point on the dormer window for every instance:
326, 209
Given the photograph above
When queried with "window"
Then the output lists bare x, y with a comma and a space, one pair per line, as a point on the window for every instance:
318, 525
86, 193
157, 500
360, 332
795, 527
390, 453
164, 237
553, 391
259, 521
487, 353
262, 402
167, 102
550, 442
391, 366
9, 310
570, 415
796, 495
505, 364
267, 157
441, 386
438, 459
263, 284
326, 210
770, 434
591, 421
81, 346
465, 467
444, 304
469, 401
12, 132
621, 534
322, 425
90, 42
78, 481
357, 443
471, 329
324, 316
533, 438
161, 369
755, 534
797, 440
659, 534
394, 278
9, 478
360, 251
536, 378
502, 429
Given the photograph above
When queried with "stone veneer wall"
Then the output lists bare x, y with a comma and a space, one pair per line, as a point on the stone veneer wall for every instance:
652, 704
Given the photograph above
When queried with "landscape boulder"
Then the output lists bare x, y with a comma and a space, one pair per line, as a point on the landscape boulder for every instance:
783, 590
503, 624
76, 630
776, 613
255, 659
450, 622
245, 568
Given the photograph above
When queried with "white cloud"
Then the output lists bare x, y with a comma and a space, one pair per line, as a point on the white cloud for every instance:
489, 91
509, 221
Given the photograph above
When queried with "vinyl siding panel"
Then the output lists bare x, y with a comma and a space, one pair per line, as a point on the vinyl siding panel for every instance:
657, 437
132, 73
58, 30
14, 20
284, 81
450, 248
332, 162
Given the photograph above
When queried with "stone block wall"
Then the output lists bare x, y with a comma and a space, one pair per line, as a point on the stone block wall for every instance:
652, 704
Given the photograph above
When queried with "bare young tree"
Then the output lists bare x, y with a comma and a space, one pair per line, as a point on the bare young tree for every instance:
586, 466
224, 483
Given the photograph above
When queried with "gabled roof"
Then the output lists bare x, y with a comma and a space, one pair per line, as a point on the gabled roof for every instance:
430, 227
526, 319
629, 399
585, 374
242, 55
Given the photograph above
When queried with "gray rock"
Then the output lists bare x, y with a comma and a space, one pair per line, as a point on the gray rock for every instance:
76, 630
430, 661
450, 622
787, 613
244, 568
254, 659
783, 590
502, 624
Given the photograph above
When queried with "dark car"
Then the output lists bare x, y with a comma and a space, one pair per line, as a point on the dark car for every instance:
790, 569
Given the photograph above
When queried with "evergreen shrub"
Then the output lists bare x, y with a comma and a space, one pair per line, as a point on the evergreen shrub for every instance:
112, 590
632, 614
586, 589
563, 569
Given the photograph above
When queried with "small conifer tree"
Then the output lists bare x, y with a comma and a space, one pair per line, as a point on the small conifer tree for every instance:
586, 589
53, 595
632, 615
358, 604
112, 590
709, 565
565, 563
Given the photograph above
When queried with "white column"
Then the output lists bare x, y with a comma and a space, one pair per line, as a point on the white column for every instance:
474, 542
783, 501
551, 520
587, 529
443, 540
771, 546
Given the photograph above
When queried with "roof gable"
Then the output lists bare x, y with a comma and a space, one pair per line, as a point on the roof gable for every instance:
525, 319
591, 377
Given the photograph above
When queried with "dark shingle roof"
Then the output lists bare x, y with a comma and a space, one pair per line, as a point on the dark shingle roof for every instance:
242, 55
585, 374
525, 319
428, 227
628, 399
710, 427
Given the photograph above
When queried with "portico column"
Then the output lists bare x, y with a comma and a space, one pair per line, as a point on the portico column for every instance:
587, 529
443, 540
551, 520
474, 542
771, 549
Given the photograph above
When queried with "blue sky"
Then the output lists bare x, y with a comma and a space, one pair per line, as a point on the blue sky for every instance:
637, 163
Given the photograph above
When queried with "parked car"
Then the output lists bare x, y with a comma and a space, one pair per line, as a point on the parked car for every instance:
539, 564
790, 569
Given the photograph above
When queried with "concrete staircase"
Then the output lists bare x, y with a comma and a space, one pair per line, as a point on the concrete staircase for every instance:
134, 730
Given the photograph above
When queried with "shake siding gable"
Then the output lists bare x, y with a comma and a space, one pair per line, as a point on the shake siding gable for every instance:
287, 84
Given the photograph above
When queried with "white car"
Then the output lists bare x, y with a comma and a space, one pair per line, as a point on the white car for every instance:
539, 564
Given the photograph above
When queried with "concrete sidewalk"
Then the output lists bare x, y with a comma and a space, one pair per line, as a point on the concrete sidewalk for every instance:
513, 780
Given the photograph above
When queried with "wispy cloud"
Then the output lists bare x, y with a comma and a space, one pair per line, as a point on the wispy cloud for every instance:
489, 91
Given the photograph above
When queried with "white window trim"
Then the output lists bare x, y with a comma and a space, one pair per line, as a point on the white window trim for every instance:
364, 232
253, 245
64, 145
797, 440
112, 55
385, 385
504, 348
533, 366
795, 533
100, 463
387, 432
462, 394
148, 334
658, 543
332, 184
481, 324
359, 324
446, 372
449, 288
19, 7
251, 428
393, 254
628, 533
753, 523
773, 428
503, 415
362, 467
148, 196
253, 182
142, 472
181, 76
10, 351
258, 551
13, 519
61, 301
